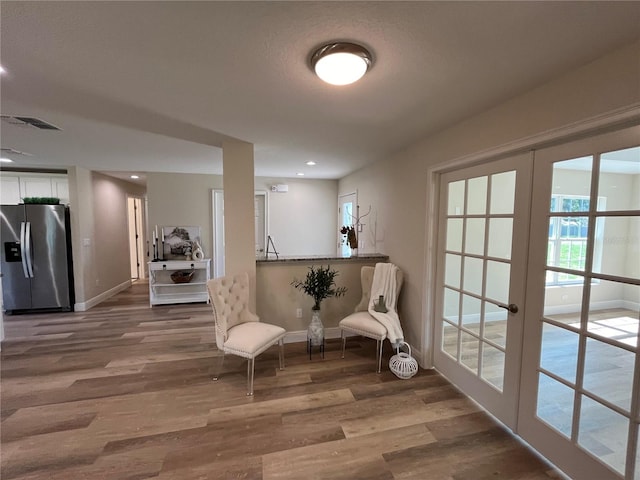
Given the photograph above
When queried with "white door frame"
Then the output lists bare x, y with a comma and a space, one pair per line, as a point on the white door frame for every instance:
217, 225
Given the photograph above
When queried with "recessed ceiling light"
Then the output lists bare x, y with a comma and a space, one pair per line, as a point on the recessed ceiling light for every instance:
6, 160
300, 174
2, 70
311, 163
341, 63
135, 177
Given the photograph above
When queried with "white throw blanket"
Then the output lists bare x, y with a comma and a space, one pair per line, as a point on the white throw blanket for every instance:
384, 283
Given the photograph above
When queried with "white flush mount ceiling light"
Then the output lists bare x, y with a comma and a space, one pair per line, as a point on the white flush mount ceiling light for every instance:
341, 63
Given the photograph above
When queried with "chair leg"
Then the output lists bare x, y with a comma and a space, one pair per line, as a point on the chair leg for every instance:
344, 341
379, 347
218, 369
250, 370
281, 353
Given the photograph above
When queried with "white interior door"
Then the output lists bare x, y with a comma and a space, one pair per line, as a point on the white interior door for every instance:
136, 240
482, 248
580, 402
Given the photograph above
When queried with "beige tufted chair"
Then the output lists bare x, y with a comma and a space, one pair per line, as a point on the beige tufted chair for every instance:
361, 322
238, 331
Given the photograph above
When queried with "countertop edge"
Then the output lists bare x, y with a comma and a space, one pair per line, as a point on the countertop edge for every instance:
321, 259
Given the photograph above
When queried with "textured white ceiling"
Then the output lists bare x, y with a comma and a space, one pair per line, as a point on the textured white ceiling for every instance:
157, 86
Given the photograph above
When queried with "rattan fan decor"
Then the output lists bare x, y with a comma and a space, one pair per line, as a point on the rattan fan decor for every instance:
182, 276
402, 364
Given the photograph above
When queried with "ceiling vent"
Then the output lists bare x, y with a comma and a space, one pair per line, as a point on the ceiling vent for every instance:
26, 121
11, 151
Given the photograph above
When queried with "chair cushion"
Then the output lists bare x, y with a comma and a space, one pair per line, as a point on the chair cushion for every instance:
249, 340
364, 324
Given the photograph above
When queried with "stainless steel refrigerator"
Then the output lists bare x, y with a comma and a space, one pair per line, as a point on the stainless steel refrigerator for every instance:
37, 273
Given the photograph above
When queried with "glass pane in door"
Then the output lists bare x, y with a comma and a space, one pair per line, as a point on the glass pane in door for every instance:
620, 324
499, 244
503, 192
608, 372
450, 339
603, 432
469, 351
617, 240
617, 181
555, 404
559, 352
493, 365
473, 275
495, 324
477, 196
471, 313
474, 236
455, 200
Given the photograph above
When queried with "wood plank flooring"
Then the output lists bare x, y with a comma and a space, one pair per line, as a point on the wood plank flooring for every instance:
124, 391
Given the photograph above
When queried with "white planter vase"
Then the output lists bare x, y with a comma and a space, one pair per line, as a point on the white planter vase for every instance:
315, 332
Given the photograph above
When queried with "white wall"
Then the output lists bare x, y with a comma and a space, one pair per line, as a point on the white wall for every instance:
302, 221
397, 187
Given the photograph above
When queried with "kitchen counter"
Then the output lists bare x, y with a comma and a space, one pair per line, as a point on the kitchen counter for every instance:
279, 303
364, 257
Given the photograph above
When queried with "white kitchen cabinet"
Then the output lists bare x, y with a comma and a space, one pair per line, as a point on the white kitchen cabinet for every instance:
60, 188
162, 290
9, 190
16, 186
35, 186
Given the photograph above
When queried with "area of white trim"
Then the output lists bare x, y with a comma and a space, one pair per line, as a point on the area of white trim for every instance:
92, 302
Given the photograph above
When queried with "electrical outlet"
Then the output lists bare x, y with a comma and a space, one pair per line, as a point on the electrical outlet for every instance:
299, 313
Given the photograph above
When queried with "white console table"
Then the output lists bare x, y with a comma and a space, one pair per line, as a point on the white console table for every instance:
162, 290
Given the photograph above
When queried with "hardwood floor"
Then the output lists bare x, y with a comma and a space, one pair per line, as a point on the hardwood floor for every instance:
124, 392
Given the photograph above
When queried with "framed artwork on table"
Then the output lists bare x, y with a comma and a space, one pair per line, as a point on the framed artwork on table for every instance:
179, 242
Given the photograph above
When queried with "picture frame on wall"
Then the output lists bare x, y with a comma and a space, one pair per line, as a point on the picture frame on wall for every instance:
179, 242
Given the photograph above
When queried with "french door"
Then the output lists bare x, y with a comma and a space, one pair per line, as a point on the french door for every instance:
580, 404
561, 364
481, 279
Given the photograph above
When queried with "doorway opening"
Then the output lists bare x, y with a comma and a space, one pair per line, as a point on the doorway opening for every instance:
347, 205
135, 211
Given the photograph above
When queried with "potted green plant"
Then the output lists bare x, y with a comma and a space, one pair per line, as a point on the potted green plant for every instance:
318, 284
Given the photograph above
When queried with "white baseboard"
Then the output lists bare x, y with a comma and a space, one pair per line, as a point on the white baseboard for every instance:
92, 302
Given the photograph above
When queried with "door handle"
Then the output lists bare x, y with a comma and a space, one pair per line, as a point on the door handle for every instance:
27, 248
512, 307
23, 252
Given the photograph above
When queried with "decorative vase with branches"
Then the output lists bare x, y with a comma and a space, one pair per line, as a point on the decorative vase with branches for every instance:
318, 284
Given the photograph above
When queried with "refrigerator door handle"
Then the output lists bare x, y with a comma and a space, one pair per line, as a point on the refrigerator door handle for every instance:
27, 249
23, 253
